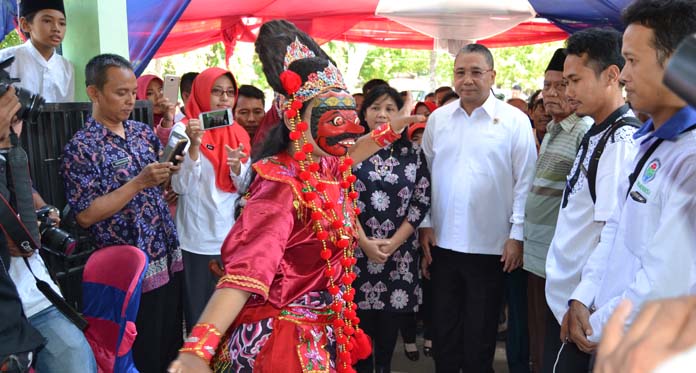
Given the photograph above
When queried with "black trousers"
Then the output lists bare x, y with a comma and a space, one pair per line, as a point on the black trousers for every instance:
160, 327
467, 294
409, 327
199, 285
425, 311
517, 342
383, 328
570, 360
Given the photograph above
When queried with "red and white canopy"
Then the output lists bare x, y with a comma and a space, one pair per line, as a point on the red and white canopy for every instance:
390, 23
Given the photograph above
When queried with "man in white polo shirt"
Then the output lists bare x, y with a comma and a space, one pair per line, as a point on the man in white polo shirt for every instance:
591, 70
481, 153
647, 249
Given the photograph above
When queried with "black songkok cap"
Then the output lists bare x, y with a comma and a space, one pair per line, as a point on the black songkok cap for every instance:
27, 7
557, 60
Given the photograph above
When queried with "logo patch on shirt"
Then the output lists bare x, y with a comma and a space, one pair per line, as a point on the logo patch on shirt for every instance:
210, 147
651, 170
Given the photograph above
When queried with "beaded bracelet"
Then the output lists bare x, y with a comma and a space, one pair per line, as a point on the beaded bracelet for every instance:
202, 341
384, 135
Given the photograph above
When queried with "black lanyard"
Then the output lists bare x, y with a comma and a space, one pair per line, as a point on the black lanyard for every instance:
641, 162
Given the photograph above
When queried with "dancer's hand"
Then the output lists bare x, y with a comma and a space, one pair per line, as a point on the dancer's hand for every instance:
188, 363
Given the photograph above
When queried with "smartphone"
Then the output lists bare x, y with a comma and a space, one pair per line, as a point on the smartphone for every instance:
175, 146
216, 118
171, 88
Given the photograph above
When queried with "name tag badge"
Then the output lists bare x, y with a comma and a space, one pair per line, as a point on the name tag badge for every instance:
638, 197
120, 162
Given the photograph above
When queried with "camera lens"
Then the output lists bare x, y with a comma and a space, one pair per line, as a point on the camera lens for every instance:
58, 240
32, 105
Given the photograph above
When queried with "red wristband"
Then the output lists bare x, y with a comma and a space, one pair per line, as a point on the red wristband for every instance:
384, 135
202, 341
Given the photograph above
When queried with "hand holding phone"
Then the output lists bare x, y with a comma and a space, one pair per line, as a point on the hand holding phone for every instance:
175, 147
216, 118
171, 88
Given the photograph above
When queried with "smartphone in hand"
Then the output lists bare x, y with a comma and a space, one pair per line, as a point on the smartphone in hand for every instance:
171, 88
216, 118
175, 146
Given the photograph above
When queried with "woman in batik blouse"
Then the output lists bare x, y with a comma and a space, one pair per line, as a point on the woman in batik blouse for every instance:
394, 187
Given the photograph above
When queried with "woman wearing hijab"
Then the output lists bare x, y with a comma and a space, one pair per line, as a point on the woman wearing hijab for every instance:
150, 88
424, 108
206, 186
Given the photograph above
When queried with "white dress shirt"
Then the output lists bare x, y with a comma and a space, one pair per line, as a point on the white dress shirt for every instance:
53, 79
647, 248
482, 167
204, 213
580, 223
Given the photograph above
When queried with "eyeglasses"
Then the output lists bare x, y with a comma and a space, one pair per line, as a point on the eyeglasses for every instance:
219, 92
475, 73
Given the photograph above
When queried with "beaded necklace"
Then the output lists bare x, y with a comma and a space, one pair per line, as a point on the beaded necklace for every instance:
352, 343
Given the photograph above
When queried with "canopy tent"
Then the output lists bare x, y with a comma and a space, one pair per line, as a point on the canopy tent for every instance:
387, 23
160, 28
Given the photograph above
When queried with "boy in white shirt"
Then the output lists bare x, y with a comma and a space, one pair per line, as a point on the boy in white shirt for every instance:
37, 64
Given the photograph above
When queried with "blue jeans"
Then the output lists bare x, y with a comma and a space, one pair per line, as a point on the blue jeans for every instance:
66, 348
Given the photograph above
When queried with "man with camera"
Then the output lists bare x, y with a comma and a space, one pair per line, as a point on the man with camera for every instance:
66, 348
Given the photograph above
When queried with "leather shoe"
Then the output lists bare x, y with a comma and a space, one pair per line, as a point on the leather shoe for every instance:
412, 355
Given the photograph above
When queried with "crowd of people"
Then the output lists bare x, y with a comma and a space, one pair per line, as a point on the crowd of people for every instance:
308, 237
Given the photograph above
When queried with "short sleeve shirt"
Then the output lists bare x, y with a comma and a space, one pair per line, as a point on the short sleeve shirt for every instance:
96, 162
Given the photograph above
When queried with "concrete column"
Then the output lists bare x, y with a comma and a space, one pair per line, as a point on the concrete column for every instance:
94, 27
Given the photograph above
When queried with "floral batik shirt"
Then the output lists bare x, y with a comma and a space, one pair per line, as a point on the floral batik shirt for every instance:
394, 185
96, 162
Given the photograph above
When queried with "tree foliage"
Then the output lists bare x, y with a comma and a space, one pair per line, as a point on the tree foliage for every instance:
387, 64
359, 63
11, 40
523, 65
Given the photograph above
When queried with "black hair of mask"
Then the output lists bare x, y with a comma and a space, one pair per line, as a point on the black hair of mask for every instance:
557, 60
27, 7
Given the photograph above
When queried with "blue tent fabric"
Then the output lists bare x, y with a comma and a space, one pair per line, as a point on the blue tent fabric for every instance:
8, 16
571, 16
149, 23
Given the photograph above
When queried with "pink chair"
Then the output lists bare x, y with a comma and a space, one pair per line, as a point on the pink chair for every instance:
111, 286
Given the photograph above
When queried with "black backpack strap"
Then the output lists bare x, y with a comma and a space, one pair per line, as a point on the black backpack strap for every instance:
599, 149
641, 162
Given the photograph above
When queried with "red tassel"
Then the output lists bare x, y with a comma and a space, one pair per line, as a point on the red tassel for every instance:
362, 348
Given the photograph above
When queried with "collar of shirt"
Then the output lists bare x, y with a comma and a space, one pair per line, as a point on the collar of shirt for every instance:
37, 55
487, 108
94, 126
609, 121
678, 123
566, 124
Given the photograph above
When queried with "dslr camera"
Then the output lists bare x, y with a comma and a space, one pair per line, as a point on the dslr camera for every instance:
53, 238
31, 103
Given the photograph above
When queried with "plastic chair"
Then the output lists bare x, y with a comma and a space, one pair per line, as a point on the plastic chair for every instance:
111, 286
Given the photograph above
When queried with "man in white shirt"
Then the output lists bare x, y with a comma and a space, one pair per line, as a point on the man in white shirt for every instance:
647, 248
591, 71
36, 63
481, 154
